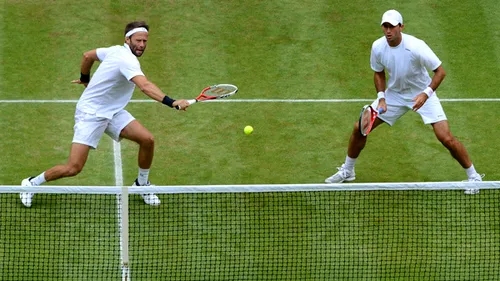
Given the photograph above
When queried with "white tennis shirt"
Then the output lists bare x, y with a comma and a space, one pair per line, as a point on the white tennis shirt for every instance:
110, 88
407, 64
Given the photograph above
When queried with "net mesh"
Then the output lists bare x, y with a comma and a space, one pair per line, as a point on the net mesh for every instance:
371, 234
63, 237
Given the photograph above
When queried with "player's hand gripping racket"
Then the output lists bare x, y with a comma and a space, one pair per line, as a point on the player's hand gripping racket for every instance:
218, 91
367, 118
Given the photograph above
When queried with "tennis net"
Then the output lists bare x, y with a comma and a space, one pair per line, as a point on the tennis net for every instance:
384, 231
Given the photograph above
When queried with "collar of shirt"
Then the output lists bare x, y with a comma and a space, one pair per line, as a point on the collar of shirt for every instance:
127, 47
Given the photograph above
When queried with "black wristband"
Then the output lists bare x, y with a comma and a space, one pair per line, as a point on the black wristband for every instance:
168, 101
84, 78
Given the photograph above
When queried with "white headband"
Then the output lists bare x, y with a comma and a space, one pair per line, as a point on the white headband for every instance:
135, 30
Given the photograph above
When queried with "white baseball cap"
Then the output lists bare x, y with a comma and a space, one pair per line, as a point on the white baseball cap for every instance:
393, 17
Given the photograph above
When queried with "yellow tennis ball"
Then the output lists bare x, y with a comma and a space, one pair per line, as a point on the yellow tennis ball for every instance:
248, 130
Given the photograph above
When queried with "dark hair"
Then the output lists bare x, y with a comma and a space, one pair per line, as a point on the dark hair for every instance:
136, 24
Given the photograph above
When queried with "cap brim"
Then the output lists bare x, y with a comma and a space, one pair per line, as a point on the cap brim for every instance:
392, 22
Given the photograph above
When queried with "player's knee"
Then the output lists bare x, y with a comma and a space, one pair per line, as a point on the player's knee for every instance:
356, 126
448, 141
73, 169
148, 140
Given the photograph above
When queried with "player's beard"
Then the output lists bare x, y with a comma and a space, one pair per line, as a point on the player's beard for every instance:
136, 50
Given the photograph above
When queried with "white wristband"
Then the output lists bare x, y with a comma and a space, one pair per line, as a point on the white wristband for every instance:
429, 91
380, 95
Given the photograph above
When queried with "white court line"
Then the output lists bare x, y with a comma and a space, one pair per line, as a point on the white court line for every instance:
118, 163
261, 100
121, 212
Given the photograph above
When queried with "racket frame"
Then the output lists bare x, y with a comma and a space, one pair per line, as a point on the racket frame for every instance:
204, 97
373, 115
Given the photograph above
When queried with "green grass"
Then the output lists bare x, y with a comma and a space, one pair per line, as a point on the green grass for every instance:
271, 50
70, 238
320, 236
383, 235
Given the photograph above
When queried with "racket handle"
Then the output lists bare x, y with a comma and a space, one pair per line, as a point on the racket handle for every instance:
380, 110
189, 101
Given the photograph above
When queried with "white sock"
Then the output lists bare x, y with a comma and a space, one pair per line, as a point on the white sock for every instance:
142, 178
38, 180
349, 163
471, 171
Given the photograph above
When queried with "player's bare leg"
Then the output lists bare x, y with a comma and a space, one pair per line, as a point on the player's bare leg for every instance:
137, 133
77, 159
456, 148
458, 151
356, 144
357, 141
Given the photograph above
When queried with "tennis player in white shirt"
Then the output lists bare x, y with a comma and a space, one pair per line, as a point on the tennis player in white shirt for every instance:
100, 109
406, 60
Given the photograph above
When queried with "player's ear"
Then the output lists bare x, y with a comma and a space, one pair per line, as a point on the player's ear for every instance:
402, 26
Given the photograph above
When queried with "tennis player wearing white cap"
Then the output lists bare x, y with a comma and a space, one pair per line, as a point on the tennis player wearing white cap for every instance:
406, 60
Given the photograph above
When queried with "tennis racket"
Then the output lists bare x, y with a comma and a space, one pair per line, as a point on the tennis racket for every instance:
218, 91
366, 118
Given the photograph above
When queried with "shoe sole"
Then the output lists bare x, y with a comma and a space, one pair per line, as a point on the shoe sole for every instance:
346, 180
471, 191
25, 182
152, 203
26, 204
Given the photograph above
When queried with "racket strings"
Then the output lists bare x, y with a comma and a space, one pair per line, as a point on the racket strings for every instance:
366, 120
219, 91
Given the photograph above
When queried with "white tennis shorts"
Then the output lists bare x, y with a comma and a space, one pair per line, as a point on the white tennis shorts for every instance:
89, 128
397, 106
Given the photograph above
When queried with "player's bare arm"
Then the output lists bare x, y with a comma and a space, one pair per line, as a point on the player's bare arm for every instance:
87, 61
379, 80
437, 78
151, 90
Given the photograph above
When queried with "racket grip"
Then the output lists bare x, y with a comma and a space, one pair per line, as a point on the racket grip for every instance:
380, 110
189, 101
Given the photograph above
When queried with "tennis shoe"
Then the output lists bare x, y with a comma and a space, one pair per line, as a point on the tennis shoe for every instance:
149, 198
26, 197
342, 175
476, 177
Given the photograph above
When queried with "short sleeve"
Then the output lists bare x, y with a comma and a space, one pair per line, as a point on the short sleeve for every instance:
130, 69
427, 57
375, 60
101, 53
